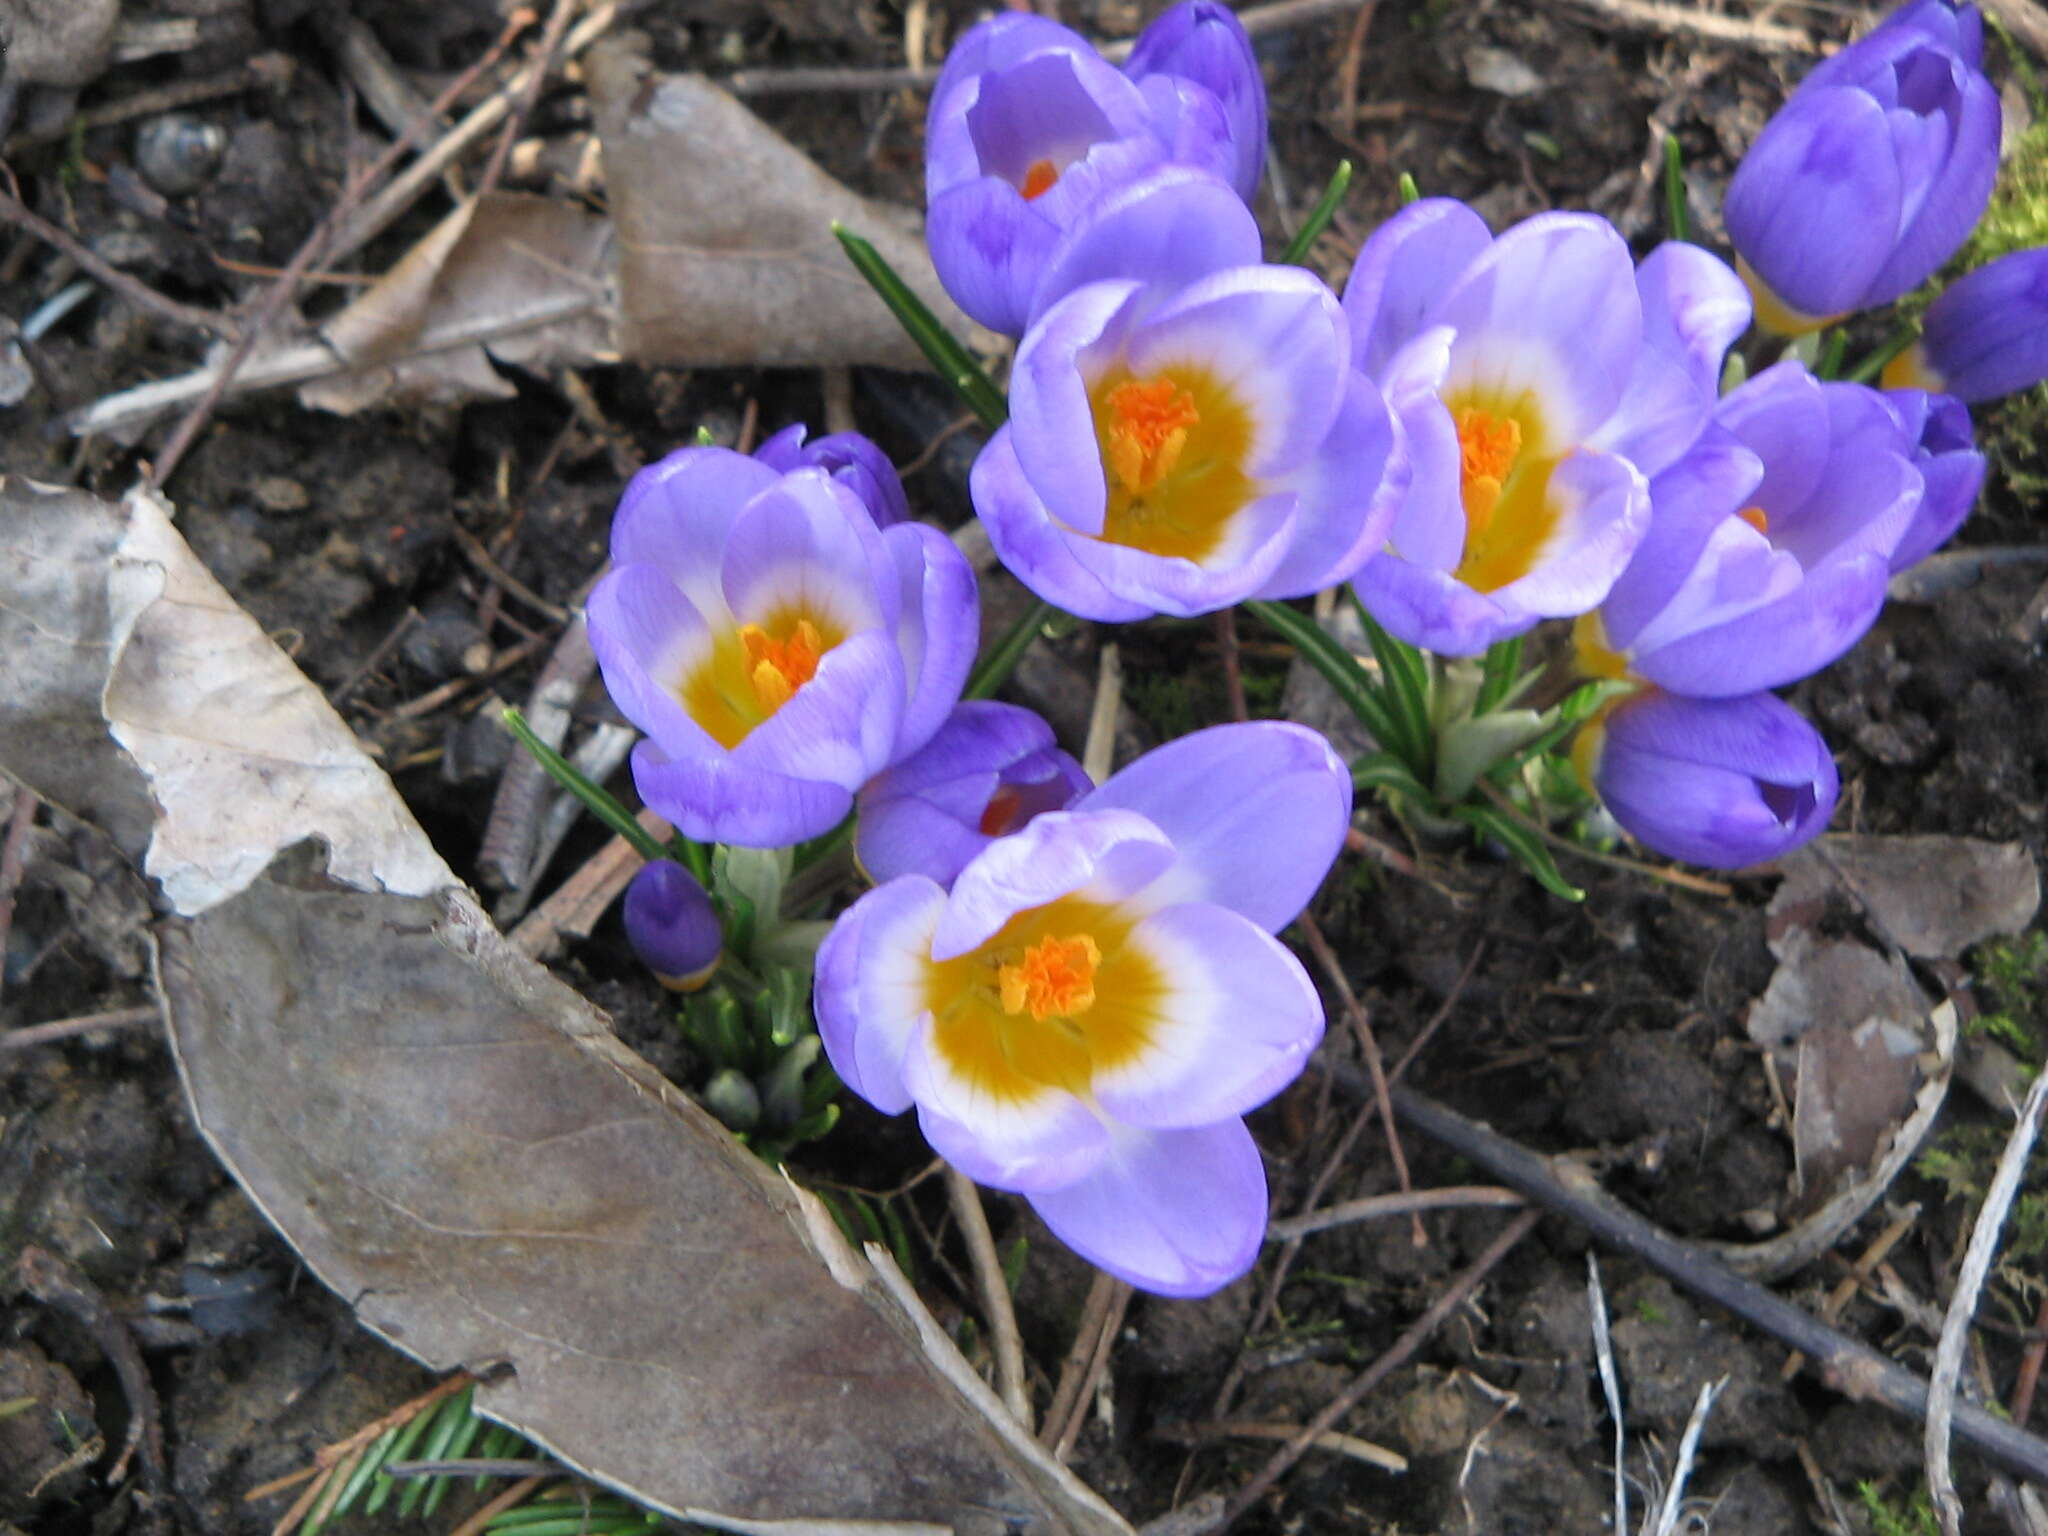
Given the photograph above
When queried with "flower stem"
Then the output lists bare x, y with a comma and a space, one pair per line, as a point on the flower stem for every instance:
994, 669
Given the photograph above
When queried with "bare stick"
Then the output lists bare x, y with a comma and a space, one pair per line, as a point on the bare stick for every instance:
279, 294
1416, 1335
1098, 753
1380, 1207
1650, 16
14, 211
537, 71
1845, 1364
509, 836
13, 850
65, 1029
1106, 1295
1248, 1429
1233, 671
1610, 1388
1955, 1327
1001, 1317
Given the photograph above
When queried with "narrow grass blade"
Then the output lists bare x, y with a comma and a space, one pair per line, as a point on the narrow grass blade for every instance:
1874, 364
1386, 772
1523, 843
1677, 223
1338, 666
956, 365
448, 1418
1409, 192
1319, 216
457, 1447
596, 799
994, 669
384, 1484
366, 1470
1406, 688
1503, 665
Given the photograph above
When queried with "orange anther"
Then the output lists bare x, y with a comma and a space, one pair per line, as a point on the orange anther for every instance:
1148, 428
1038, 179
1055, 976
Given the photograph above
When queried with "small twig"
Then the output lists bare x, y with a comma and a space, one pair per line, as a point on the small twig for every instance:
1688, 1447
518, 1493
1955, 1326
508, 1466
383, 653
509, 836
1864, 1267
473, 550
1846, 1364
1245, 1429
434, 698
1610, 1388
1380, 1207
14, 211
1650, 16
280, 293
1369, 1048
64, 1029
1412, 1338
265, 69
1233, 669
538, 70
574, 907
1098, 753
56, 1284
1101, 1313
996, 1310
2029, 1377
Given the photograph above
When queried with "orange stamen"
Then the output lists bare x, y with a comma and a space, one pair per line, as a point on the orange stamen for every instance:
1055, 976
1488, 446
777, 668
1038, 179
1148, 428
1757, 518
1000, 815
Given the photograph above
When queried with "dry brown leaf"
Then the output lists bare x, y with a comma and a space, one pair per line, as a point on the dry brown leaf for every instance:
525, 280
1932, 896
726, 252
450, 1137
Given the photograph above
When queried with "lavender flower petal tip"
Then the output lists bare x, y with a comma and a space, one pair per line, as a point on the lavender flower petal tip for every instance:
991, 768
672, 926
1177, 452
851, 459
1872, 174
1030, 130
777, 647
1087, 1014
1722, 782
1202, 41
1944, 450
1537, 380
1985, 336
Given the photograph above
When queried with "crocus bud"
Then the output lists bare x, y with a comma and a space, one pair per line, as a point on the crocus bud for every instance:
671, 925
848, 458
1945, 453
1720, 782
1872, 174
1203, 41
991, 768
1986, 336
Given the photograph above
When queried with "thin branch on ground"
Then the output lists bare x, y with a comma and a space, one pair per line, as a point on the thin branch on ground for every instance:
1380, 1207
1681, 20
1004, 1341
1233, 669
1610, 1388
1955, 1327
1102, 1314
1846, 1364
13, 851
14, 211
1247, 1429
2021, 1408
30, 1035
1403, 1349
538, 69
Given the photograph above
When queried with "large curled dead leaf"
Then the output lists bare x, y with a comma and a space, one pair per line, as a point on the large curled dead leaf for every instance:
450, 1137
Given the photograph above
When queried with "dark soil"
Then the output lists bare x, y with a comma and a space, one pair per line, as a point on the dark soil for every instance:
1615, 1026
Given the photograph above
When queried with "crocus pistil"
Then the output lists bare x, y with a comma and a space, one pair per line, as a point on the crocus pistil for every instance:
1175, 446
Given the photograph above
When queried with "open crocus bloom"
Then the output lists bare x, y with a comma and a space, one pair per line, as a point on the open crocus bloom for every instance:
1538, 379
1030, 129
778, 648
1771, 545
1086, 1015
1179, 451
1872, 174
991, 768
1720, 782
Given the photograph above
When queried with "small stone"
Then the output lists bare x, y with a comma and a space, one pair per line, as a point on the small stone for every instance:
280, 493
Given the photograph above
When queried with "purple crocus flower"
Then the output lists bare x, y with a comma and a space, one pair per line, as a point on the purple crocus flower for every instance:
1178, 451
851, 459
1771, 545
1720, 782
1986, 336
991, 768
1873, 172
1088, 1013
672, 926
778, 648
1538, 379
1204, 42
1030, 129
1945, 452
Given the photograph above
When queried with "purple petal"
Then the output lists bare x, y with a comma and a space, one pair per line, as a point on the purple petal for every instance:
1053, 106
1688, 503
1987, 335
848, 458
1256, 812
710, 798
806, 546
1205, 42
1945, 453
1032, 547
1251, 547
1052, 420
1814, 206
1957, 191
1349, 493
1720, 782
1778, 643
989, 246
1238, 1022
671, 924
1108, 853
648, 639
1177, 1213
1432, 609
1049, 1138
1403, 269
940, 630
1694, 309
1781, 416
1603, 508
841, 726
1191, 125
870, 992
675, 514
1166, 230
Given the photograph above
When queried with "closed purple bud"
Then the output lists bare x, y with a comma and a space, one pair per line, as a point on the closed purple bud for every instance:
1872, 174
1987, 335
1945, 453
1720, 782
991, 768
847, 457
1203, 41
672, 926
